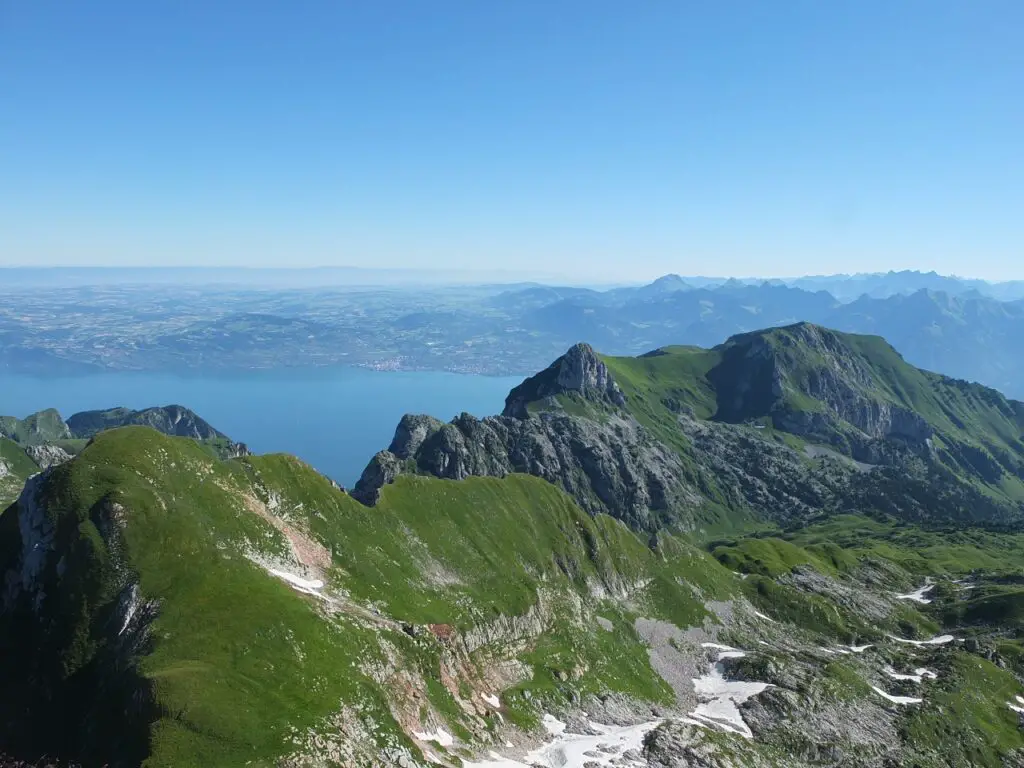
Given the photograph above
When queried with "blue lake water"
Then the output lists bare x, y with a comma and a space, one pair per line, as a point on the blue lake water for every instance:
334, 419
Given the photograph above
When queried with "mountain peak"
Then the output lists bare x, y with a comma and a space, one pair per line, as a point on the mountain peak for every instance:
169, 419
579, 370
670, 280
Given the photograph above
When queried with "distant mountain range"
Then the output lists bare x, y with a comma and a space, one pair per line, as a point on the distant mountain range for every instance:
965, 334
968, 329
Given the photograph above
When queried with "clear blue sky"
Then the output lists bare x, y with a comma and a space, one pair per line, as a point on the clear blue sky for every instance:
592, 138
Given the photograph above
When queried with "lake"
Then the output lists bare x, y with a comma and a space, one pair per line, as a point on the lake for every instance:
335, 419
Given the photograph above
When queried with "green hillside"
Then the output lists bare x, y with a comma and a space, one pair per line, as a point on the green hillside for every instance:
155, 630
233, 655
15, 468
807, 386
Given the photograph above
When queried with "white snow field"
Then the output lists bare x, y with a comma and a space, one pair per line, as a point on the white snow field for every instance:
719, 708
720, 698
572, 750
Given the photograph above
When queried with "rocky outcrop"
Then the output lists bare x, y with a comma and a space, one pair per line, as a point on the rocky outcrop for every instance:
42, 427
174, 420
765, 373
611, 466
170, 419
579, 371
875, 417
382, 470
849, 399
47, 455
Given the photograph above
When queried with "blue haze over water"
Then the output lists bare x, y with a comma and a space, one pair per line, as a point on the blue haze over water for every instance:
334, 419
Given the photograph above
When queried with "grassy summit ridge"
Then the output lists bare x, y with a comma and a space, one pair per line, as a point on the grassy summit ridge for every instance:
233, 661
774, 373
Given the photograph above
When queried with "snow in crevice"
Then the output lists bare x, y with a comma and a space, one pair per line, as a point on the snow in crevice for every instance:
441, 736
896, 699
937, 640
846, 650
306, 586
718, 646
921, 673
605, 745
918, 595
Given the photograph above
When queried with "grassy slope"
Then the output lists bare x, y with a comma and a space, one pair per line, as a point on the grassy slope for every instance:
975, 425
686, 374
240, 659
20, 466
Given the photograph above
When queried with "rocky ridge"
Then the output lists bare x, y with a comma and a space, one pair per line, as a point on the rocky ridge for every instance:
575, 426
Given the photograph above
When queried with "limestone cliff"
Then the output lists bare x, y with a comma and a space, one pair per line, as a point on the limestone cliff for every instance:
774, 425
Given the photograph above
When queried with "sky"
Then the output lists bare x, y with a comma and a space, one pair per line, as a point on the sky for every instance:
586, 138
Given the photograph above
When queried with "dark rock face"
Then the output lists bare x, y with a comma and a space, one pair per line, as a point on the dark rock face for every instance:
611, 467
579, 370
864, 450
383, 468
759, 376
173, 420
411, 432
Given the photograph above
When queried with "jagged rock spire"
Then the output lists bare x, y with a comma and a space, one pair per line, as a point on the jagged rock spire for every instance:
578, 370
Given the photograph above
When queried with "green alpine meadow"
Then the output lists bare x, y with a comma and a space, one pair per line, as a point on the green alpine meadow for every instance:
793, 549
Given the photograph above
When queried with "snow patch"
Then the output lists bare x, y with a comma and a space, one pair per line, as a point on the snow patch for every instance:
720, 698
921, 673
731, 655
494, 701
918, 595
896, 699
552, 725
1019, 706
571, 750
307, 586
846, 650
937, 640
441, 736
